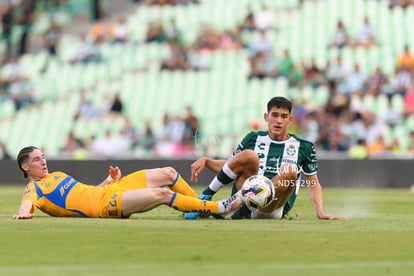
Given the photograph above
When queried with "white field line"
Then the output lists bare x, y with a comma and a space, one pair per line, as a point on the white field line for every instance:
205, 267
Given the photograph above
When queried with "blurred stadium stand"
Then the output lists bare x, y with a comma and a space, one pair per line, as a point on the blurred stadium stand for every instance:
225, 101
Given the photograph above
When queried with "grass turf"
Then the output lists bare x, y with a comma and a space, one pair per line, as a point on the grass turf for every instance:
377, 239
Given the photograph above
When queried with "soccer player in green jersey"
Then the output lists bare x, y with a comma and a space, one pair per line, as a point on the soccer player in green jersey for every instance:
290, 162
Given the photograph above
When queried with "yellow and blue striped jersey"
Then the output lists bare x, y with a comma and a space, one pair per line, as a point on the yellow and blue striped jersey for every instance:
61, 195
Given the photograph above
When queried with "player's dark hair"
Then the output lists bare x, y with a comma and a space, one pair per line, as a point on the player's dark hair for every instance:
23, 156
279, 102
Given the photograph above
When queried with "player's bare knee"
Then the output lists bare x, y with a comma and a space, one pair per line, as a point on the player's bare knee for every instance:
249, 154
163, 194
170, 174
248, 158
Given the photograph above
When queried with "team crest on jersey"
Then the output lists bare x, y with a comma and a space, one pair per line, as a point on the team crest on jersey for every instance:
47, 184
291, 150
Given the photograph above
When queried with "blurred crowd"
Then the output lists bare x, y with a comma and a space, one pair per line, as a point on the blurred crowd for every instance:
400, 3
173, 138
14, 82
170, 2
342, 125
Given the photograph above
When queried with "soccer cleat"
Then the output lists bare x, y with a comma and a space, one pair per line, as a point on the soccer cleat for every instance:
242, 213
195, 215
232, 204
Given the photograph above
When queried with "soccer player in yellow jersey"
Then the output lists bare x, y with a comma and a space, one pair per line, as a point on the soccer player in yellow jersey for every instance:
60, 195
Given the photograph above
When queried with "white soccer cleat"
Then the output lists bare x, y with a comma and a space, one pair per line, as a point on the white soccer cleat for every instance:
231, 204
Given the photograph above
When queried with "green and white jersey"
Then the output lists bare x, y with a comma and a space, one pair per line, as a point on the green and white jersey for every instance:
273, 154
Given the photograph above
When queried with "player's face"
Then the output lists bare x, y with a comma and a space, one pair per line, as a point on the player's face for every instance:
278, 120
36, 166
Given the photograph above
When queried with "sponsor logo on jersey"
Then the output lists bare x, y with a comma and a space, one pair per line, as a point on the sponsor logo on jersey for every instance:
66, 186
113, 213
289, 161
113, 202
312, 166
261, 146
274, 170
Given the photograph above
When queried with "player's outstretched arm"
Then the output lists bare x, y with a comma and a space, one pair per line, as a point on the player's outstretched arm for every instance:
114, 175
25, 210
315, 191
198, 166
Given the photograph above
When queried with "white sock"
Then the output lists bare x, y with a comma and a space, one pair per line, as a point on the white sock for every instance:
224, 177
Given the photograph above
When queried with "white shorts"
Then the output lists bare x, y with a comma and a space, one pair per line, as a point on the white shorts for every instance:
276, 214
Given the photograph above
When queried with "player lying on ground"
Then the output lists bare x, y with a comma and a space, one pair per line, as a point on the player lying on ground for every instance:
290, 162
60, 195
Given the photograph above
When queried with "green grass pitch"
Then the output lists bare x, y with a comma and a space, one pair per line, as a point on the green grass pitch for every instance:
377, 239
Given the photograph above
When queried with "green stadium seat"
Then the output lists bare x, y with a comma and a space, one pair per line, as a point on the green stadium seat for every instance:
223, 97
401, 134
398, 102
409, 123
369, 102
7, 109
381, 104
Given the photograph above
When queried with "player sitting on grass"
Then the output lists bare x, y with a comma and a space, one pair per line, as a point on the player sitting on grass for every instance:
290, 162
60, 195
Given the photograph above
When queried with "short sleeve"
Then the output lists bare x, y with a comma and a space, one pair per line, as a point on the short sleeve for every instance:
310, 162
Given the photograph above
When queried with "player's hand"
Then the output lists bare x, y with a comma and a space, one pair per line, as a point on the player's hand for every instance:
329, 217
197, 167
115, 173
23, 216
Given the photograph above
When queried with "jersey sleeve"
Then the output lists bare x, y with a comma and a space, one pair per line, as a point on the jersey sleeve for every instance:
244, 143
29, 193
310, 162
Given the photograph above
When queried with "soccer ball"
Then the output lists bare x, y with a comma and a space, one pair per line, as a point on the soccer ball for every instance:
258, 192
